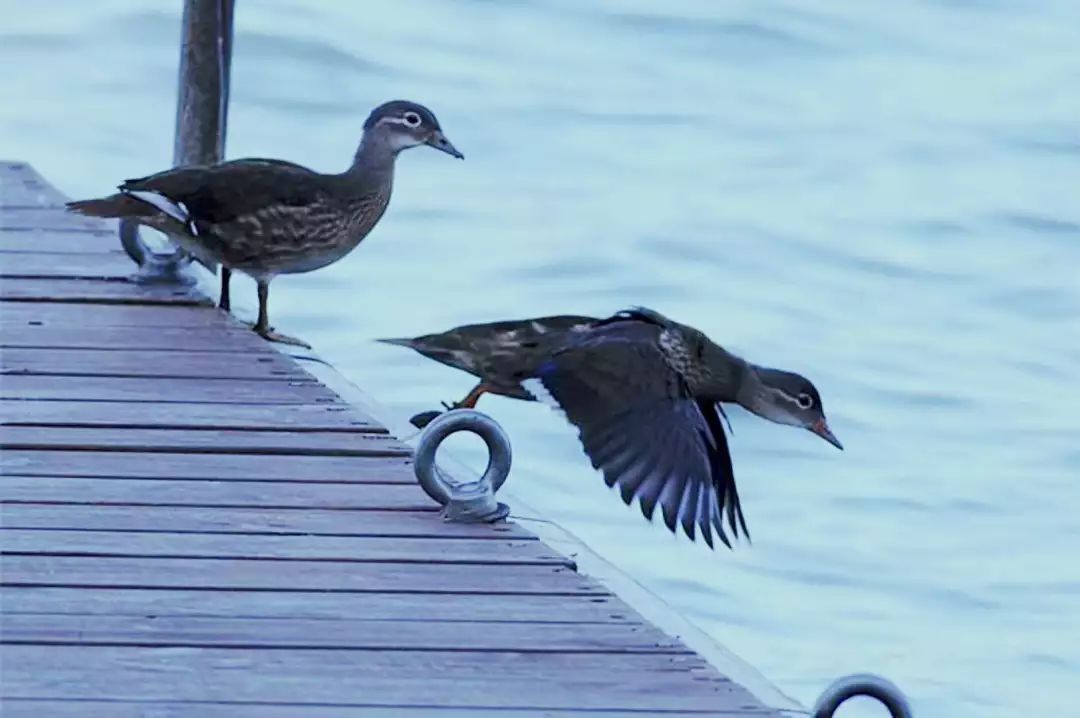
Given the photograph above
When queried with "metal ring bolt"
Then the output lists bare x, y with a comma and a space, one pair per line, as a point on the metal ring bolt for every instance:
154, 267
862, 684
470, 501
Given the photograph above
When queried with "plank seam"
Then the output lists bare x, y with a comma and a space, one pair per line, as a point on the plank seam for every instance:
216, 450
469, 621
279, 589
222, 532
179, 299
563, 563
491, 710
214, 479
261, 507
127, 375
527, 650
360, 428
53, 228
338, 482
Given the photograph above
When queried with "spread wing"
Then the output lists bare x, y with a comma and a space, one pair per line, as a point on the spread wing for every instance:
639, 426
221, 193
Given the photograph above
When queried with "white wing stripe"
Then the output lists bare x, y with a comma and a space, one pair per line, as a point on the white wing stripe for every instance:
159, 201
536, 387
176, 210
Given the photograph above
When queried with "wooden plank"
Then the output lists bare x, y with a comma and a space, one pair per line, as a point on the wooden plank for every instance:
281, 522
37, 708
388, 678
21, 186
201, 441
223, 494
180, 340
212, 391
418, 607
37, 265
162, 364
188, 631
219, 467
51, 219
292, 574
115, 315
64, 242
88, 290
120, 415
313, 548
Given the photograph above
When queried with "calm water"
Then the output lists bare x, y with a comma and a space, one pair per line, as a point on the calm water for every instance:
881, 195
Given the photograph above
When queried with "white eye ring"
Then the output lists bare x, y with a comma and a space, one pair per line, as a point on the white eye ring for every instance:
805, 401
412, 119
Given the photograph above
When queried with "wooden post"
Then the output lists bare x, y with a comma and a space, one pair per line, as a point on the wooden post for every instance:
202, 107
203, 99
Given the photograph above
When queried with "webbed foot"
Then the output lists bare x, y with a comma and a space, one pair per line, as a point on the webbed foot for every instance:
272, 336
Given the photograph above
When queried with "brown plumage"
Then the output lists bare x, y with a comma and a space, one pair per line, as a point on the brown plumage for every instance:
268, 217
499, 354
645, 394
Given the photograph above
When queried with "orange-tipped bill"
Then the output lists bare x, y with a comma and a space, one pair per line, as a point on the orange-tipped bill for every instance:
821, 428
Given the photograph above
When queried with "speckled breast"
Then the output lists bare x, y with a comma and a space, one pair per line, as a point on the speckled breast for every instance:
302, 239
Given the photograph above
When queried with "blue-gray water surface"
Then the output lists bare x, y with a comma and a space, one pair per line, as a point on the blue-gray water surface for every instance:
881, 195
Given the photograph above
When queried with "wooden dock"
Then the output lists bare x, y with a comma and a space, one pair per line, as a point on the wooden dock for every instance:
193, 526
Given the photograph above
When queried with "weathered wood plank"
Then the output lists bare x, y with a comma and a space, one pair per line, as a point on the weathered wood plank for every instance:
155, 316
299, 418
219, 467
63, 242
22, 186
133, 544
280, 522
213, 391
201, 441
161, 364
223, 494
402, 678
293, 574
89, 290
37, 265
319, 605
20, 708
50, 219
189, 631
181, 340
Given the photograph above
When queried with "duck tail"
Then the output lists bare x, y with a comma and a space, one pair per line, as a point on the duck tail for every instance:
116, 205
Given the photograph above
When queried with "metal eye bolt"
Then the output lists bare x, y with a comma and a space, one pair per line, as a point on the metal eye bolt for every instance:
861, 684
469, 501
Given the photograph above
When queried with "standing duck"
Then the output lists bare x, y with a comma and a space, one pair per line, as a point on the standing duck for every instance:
269, 217
645, 394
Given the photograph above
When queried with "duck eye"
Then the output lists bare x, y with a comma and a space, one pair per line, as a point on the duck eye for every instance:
805, 401
412, 119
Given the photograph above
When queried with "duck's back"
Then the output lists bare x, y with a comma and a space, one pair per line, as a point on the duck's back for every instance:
499, 353
270, 216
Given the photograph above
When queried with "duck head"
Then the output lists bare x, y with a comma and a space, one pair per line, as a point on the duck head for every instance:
788, 398
400, 124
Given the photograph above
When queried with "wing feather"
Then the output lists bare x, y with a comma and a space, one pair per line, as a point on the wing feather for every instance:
641, 428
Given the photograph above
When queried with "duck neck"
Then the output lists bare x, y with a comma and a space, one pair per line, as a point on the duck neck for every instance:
374, 159
753, 393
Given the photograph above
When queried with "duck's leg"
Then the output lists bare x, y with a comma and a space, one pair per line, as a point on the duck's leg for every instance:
469, 402
223, 301
262, 326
